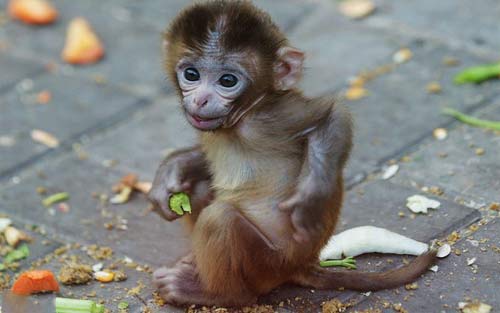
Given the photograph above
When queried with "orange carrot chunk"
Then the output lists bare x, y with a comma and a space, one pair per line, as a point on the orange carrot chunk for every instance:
38, 12
82, 44
34, 282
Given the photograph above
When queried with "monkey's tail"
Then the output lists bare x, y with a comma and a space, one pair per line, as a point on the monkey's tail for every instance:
322, 278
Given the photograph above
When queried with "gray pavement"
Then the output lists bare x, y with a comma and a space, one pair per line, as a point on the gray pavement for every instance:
120, 116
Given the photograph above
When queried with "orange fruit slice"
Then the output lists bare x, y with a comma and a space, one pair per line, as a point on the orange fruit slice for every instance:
82, 44
37, 12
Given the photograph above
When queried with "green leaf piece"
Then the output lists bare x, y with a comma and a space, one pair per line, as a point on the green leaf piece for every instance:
20, 253
179, 203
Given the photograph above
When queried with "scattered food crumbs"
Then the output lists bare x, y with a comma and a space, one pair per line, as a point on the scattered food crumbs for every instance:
479, 151
412, 286
450, 61
44, 138
402, 56
44, 97
440, 133
495, 206
401, 214
14, 236
357, 9
119, 276
434, 88
123, 305
355, 93
471, 261
474, 307
333, 306
453, 237
434, 268
398, 307
390, 171
121, 197
137, 289
99, 253
421, 204
75, 274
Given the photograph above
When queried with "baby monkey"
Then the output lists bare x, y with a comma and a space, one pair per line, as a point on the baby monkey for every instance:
266, 179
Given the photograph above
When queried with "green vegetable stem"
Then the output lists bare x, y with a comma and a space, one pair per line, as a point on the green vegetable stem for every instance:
348, 262
471, 120
477, 74
65, 305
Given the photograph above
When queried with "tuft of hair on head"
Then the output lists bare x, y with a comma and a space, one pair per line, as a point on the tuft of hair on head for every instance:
226, 26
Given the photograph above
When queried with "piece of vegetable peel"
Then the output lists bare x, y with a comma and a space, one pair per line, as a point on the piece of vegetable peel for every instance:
478, 74
36, 12
471, 120
179, 203
421, 204
35, 282
370, 239
82, 44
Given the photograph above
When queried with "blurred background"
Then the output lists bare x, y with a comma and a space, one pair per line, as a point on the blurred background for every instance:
78, 129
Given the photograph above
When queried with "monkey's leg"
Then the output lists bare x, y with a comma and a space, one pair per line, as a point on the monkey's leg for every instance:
233, 262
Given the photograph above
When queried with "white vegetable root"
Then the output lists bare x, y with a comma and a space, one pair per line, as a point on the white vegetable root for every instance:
370, 239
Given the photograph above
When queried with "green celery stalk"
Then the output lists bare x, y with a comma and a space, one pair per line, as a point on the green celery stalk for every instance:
65, 305
57, 197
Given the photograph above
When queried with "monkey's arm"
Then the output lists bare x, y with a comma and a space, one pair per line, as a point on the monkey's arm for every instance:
328, 148
180, 171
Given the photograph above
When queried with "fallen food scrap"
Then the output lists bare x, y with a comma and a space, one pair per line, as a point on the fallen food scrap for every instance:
434, 87
55, 198
124, 188
20, 253
355, 93
348, 262
390, 171
104, 276
179, 203
402, 56
369, 239
65, 305
357, 9
44, 138
478, 74
473, 121
421, 204
14, 236
44, 97
444, 251
75, 274
123, 305
35, 282
82, 44
39, 12
474, 307
440, 133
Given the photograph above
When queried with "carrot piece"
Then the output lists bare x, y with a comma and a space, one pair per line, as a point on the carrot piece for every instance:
38, 12
82, 44
34, 282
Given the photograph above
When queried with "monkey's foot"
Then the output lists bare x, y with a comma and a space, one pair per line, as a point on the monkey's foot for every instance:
180, 284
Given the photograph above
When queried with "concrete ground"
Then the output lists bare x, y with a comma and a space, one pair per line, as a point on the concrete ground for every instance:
121, 116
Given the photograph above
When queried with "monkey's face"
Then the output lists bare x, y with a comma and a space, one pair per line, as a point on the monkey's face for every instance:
209, 90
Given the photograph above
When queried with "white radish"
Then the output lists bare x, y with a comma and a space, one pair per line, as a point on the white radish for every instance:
370, 239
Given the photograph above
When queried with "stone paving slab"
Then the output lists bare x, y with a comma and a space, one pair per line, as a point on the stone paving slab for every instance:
17, 69
454, 165
157, 244
461, 22
455, 281
77, 107
140, 145
126, 42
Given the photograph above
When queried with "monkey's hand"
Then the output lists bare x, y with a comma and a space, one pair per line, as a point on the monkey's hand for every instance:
303, 208
178, 173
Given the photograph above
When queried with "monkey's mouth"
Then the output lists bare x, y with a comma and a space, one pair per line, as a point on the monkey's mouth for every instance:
203, 123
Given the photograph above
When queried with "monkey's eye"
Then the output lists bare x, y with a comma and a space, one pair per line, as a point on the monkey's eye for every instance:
228, 80
191, 74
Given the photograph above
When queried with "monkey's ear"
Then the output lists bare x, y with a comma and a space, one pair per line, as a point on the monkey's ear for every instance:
288, 68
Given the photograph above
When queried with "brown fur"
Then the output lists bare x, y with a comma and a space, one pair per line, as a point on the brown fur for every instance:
286, 148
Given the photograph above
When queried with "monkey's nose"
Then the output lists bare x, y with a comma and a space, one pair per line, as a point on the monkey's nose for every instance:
201, 103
